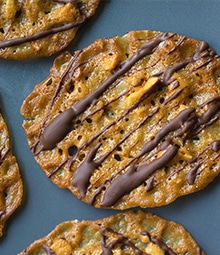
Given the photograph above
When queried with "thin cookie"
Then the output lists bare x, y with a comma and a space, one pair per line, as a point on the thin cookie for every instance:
30, 29
126, 233
11, 186
129, 121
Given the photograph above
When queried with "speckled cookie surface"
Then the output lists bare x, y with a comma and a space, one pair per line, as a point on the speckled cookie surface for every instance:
11, 187
30, 29
126, 233
129, 121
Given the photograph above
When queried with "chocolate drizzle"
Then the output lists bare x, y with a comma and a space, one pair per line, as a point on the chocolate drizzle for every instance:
121, 239
134, 177
42, 34
167, 250
48, 250
57, 129
162, 148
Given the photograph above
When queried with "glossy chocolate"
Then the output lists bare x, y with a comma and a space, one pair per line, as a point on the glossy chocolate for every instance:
188, 123
50, 139
167, 250
42, 34
107, 248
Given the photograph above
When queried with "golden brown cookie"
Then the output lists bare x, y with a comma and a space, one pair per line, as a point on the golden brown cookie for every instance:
125, 233
11, 187
30, 29
129, 121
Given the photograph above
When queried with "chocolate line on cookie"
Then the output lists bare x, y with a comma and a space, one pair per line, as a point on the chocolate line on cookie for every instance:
141, 173
167, 250
192, 174
48, 250
121, 239
42, 34
83, 173
184, 120
64, 122
61, 125
134, 177
114, 191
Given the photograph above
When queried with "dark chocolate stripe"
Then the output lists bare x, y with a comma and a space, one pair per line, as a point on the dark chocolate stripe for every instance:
208, 117
56, 131
134, 177
203, 51
167, 250
173, 125
121, 239
83, 173
192, 174
215, 146
48, 250
42, 34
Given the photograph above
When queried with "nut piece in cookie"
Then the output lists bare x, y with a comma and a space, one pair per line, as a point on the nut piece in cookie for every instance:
126, 233
11, 186
129, 121
30, 29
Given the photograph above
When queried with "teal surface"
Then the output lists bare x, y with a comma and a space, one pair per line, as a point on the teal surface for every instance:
44, 205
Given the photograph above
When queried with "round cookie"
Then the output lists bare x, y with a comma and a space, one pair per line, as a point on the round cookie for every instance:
11, 186
129, 121
30, 29
125, 233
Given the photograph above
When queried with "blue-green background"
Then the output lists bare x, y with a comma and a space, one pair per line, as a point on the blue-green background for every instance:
44, 205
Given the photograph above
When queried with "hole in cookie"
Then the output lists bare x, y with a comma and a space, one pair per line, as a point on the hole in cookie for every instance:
18, 14
152, 102
161, 100
33, 24
117, 157
122, 131
109, 113
88, 120
79, 90
81, 157
191, 96
2, 30
72, 150
79, 137
214, 166
70, 88
181, 161
195, 139
119, 149
49, 82
60, 151
46, 12
177, 146
127, 55
126, 119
